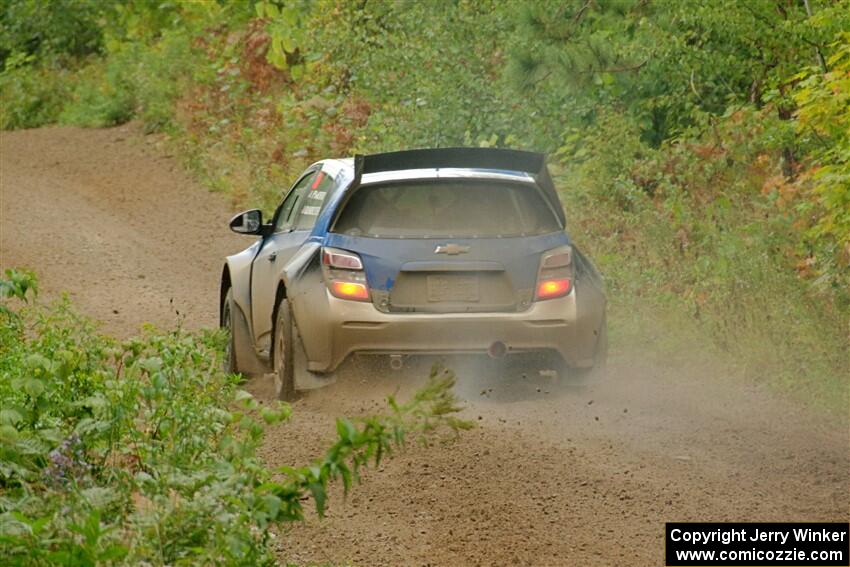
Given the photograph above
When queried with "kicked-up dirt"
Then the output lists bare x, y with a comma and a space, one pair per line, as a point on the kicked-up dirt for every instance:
554, 474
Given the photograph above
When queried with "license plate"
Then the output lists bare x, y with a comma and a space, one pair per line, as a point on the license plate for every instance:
452, 288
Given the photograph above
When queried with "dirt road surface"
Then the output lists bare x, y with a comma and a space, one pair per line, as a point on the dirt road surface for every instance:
553, 475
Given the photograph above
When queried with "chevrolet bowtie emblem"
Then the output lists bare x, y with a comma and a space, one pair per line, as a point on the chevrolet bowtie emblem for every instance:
451, 249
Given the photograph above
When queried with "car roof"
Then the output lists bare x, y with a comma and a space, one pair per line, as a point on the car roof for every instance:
335, 165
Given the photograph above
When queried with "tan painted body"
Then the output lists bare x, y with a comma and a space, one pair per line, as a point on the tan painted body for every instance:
328, 330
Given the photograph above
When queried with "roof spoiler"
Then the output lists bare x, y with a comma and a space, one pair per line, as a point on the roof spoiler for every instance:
532, 163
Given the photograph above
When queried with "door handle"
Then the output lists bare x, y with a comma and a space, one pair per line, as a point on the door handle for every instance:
272, 257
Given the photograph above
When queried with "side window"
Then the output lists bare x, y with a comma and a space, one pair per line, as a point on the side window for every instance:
288, 209
313, 201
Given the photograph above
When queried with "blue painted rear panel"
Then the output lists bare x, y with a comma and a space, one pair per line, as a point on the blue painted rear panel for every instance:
383, 257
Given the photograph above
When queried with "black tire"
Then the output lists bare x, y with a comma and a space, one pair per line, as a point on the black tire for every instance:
282, 352
229, 362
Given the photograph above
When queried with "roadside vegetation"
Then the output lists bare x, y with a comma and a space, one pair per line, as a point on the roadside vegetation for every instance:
702, 148
144, 451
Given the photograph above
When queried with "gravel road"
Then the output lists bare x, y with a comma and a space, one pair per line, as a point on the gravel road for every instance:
553, 474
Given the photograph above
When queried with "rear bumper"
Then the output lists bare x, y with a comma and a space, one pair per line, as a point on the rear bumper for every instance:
357, 327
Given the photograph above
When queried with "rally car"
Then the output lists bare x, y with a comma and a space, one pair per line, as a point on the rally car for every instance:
435, 251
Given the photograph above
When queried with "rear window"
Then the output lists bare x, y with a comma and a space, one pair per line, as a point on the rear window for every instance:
461, 209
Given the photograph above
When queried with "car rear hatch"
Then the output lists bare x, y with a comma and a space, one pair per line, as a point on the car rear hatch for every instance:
449, 244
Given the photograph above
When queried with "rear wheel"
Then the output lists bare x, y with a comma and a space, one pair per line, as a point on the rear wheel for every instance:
229, 362
284, 367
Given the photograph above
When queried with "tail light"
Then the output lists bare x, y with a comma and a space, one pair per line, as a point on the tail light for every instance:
343, 272
550, 289
340, 259
350, 290
555, 277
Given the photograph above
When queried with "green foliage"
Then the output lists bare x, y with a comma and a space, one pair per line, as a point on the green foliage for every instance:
138, 81
145, 450
824, 122
17, 284
102, 97
37, 28
688, 238
434, 81
32, 96
705, 138
288, 28
667, 61
148, 56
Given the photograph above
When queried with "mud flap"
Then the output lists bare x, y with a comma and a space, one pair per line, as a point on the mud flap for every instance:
307, 294
247, 360
590, 311
298, 291
305, 379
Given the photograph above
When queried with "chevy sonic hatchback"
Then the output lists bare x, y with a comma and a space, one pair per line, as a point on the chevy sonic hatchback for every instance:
441, 251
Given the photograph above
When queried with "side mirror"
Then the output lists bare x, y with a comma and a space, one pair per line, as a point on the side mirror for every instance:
248, 222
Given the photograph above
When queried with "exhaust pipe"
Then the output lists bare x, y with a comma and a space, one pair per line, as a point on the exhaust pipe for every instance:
396, 362
497, 350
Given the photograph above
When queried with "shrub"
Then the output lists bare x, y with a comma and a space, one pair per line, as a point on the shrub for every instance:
145, 450
824, 123
104, 96
32, 96
691, 236
138, 80
66, 28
